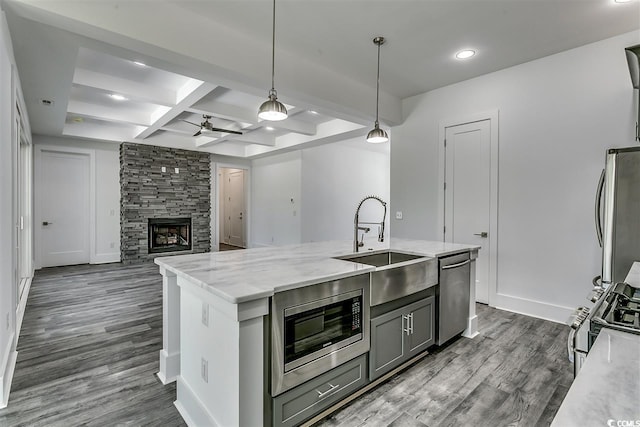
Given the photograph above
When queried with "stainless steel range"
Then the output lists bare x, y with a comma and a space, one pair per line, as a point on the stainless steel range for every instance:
617, 307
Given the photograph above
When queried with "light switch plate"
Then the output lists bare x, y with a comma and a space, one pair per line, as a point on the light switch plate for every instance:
399, 215
204, 369
163, 169
205, 314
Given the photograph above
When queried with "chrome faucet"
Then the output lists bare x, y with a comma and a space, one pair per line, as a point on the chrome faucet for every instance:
356, 224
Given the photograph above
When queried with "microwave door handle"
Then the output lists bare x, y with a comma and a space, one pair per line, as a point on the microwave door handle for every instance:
598, 208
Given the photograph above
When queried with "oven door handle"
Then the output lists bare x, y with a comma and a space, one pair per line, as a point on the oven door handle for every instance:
571, 344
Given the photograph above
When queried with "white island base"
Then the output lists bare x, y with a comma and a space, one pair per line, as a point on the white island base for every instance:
215, 320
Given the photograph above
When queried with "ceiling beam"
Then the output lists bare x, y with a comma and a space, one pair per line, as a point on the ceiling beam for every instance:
108, 114
246, 138
196, 93
240, 114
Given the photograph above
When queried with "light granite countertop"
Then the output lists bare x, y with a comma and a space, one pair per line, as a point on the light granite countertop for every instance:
246, 275
607, 388
608, 385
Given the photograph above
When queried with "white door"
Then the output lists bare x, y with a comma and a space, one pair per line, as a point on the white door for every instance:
25, 248
64, 208
235, 207
468, 193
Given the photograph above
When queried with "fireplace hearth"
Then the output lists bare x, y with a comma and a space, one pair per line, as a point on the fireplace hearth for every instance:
169, 234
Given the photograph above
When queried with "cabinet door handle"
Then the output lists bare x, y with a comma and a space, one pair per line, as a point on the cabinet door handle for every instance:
411, 323
332, 388
405, 330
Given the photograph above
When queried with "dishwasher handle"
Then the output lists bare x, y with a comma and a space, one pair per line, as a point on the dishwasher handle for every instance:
460, 264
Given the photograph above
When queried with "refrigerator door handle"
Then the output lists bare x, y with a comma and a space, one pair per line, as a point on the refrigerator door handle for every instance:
598, 209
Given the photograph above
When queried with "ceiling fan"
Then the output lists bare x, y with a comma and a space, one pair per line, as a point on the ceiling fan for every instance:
206, 126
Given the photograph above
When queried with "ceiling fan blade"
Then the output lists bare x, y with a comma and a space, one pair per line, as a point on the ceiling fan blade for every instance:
191, 123
235, 132
198, 133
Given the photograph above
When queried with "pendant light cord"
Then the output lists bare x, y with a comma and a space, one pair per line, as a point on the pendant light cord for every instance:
378, 84
273, 49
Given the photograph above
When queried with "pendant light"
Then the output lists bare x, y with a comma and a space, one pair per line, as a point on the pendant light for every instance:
272, 109
377, 135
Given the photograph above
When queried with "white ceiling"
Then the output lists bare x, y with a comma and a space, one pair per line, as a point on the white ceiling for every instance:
213, 57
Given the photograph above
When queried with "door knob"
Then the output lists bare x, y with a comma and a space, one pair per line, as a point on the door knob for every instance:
46, 223
482, 234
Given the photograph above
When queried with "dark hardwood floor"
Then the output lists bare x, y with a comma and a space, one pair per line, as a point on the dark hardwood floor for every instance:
515, 373
88, 355
88, 350
225, 247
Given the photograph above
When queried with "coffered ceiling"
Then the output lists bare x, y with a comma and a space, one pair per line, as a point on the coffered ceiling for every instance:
140, 71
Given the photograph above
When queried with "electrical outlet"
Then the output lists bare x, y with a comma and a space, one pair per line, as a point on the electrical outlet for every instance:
399, 215
8, 321
112, 245
112, 212
163, 168
177, 170
204, 369
205, 314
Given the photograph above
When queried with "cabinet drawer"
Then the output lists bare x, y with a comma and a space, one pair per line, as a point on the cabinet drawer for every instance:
312, 397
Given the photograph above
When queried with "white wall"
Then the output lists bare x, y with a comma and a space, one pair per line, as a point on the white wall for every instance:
557, 115
7, 253
335, 178
275, 181
326, 184
106, 245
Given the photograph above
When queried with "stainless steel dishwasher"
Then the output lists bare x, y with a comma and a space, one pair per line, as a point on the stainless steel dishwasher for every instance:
453, 298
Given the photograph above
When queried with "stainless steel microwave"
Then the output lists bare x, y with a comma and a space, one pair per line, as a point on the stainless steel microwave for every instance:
316, 328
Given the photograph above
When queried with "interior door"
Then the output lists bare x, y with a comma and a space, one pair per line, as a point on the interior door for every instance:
235, 208
64, 208
468, 193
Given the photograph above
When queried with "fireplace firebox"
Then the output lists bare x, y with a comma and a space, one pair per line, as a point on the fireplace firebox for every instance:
169, 234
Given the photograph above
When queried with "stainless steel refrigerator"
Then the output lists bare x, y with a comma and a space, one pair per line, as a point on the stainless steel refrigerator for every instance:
618, 213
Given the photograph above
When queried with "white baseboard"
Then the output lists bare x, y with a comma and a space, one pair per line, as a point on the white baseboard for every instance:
6, 371
106, 258
192, 410
539, 309
22, 305
169, 367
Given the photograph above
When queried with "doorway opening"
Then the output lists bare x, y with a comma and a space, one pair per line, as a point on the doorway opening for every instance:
232, 209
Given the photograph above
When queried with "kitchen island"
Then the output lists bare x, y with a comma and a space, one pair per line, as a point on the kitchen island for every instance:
216, 309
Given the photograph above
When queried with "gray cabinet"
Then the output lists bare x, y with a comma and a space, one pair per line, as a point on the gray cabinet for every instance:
303, 402
400, 334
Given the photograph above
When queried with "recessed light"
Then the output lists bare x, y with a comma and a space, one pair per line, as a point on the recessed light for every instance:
140, 64
313, 112
464, 54
77, 120
117, 97
269, 128
622, 1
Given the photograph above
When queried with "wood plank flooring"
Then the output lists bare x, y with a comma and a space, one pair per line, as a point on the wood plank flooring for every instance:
515, 373
88, 350
88, 354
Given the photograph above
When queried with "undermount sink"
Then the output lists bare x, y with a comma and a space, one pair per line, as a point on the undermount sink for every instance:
397, 274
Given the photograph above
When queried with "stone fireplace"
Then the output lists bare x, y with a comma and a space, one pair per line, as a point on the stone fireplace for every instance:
165, 204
